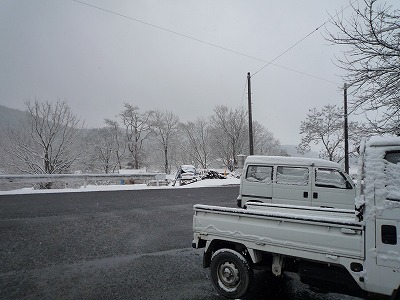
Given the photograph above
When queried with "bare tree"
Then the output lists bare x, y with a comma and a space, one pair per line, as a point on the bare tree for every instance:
228, 129
119, 144
100, 149
264, 141
325, 127
372, 61
45, 143
137, 130
164, 125
198, 145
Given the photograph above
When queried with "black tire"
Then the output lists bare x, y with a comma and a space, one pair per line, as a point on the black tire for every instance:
231, 273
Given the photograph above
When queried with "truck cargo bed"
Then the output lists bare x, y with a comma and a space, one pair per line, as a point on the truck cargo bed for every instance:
290, 230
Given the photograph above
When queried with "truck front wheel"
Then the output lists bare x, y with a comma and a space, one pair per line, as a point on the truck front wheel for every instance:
231, 273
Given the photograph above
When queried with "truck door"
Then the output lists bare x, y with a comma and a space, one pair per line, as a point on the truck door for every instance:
292, 186
332, 188
387, 222
257, 184
387, 243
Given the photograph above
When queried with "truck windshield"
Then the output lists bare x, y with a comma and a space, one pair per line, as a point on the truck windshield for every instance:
392, 171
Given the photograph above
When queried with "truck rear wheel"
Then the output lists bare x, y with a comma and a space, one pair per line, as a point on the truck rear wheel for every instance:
231, 273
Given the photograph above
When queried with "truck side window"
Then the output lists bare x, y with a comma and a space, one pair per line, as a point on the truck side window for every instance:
392, 171
259, 174
292, 176
393, 157
389, 234
331, 178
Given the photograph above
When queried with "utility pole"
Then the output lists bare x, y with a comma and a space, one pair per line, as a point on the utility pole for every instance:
346, 132
250, 117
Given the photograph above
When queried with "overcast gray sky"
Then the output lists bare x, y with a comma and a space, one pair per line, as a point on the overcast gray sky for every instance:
97, 60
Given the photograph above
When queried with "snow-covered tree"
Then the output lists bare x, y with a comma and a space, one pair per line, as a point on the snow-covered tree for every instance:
100, 150
265, 142
326, 128
137, 130
371, 36
197, 142
119, 141
228, 133
45, 144
164, 126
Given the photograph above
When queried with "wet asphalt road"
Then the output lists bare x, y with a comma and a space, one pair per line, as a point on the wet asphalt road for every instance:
116, 245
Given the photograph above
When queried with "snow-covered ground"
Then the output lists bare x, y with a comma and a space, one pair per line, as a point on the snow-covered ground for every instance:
126, 187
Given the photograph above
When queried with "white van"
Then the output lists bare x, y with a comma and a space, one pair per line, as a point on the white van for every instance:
295, 181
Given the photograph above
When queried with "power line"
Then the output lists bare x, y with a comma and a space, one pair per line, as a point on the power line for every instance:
168, 30
287, 50
221, 47
303, 73
302, 39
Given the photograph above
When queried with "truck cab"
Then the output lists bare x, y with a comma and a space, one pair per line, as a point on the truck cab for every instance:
378, 202
295, 181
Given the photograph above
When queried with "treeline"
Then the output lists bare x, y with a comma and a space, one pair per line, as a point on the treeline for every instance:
52, 140
157, 140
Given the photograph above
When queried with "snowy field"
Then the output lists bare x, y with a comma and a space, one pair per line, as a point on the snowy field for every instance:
126, 187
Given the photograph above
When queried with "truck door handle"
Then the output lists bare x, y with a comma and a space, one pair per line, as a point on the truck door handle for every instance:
305, 194
348, 231
315, 195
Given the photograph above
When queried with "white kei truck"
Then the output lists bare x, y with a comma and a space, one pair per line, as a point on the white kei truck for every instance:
350, 251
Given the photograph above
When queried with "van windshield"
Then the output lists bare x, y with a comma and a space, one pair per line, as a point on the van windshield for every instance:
392, 171
259, 174
331, 178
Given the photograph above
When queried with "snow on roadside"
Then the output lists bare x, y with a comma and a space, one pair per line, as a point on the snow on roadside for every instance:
126, 187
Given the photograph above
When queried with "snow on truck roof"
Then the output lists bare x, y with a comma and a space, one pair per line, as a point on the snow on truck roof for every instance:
379, 141
292, 161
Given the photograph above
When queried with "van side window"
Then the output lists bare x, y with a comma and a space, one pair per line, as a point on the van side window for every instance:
292, 176
259, 174
331, 178
392, 171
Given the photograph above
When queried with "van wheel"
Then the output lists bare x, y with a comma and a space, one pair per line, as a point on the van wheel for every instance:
231, 274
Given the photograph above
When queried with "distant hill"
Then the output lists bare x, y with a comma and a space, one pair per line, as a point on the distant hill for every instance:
10, 117
291, 150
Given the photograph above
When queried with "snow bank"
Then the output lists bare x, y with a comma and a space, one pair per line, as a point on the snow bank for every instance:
126, 187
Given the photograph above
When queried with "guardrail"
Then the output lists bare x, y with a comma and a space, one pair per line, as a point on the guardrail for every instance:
40, 178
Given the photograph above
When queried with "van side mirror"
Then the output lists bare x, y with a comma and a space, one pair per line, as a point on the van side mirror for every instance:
348, 185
